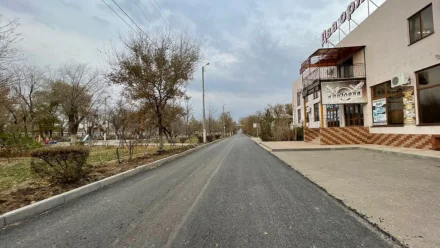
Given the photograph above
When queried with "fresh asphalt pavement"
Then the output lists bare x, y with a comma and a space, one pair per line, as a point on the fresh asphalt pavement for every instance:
229, 194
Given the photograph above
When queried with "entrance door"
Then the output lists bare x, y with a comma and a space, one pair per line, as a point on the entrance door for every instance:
354, 115
333, 115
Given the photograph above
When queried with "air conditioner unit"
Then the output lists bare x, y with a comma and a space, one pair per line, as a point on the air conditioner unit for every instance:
399, 80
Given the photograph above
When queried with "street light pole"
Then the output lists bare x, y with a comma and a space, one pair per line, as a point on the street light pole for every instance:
224, 124
203, 97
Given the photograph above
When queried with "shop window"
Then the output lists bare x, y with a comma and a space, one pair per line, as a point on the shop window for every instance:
387, 104
316, 111
429, 95
298, 99
421, 24
315, 94
299, 116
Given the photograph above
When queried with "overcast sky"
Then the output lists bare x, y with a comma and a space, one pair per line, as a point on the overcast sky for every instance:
255, 47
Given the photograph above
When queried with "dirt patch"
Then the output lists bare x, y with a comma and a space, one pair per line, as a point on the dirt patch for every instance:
37, 190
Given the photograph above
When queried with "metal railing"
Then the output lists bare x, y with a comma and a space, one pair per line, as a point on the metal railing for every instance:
334, 73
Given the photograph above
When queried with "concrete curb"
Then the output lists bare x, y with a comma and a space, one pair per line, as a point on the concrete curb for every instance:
408, 155
58, 200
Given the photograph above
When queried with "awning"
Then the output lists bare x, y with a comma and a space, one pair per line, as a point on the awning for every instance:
324, 57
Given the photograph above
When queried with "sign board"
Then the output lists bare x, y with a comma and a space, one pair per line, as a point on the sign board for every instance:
345, 16
409, 107
341, 92
380, 112
255, 125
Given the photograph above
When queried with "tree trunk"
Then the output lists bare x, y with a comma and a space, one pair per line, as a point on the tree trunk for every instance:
160, 151
73, 129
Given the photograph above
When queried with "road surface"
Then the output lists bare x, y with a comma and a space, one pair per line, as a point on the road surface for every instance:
229, 194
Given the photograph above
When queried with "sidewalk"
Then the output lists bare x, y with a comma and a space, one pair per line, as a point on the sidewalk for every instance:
303, 146
394, 188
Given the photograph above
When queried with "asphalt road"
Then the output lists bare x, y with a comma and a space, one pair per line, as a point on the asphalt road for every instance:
229, 194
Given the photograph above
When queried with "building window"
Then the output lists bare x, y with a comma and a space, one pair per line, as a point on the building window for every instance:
298, 99
299, 116
387, 104
421, 24
428, 82
306, 99
315, 94
307, 117
316, 111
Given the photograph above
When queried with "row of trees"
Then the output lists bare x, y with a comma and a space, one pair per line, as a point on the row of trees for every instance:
274, 123
154, 73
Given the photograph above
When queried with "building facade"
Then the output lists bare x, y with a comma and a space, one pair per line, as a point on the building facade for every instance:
380, 84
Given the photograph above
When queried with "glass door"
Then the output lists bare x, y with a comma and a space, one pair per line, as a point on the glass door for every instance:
333, 115
354, 115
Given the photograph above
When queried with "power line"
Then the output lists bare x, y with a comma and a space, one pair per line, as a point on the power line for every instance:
140, 29
119, 15
145, 15
162, 14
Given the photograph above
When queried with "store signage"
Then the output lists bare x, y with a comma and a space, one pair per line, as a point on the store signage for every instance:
380, 112
409, 107
341, 92
346, 15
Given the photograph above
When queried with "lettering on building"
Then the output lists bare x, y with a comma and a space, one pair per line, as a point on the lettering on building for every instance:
345, 16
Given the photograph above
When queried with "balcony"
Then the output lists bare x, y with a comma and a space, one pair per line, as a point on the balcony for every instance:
334, 73
332, 64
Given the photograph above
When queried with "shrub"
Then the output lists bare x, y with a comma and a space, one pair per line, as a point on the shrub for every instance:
60, 164
217, 136
209, 138
14, 144
183, 140
200, 139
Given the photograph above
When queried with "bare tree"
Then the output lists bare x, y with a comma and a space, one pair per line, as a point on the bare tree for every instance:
27, 80
77, 89
8, 52
211, 123
188, 114
155, 72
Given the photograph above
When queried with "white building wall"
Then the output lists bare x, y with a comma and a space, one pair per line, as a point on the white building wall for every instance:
297, 86
385, 33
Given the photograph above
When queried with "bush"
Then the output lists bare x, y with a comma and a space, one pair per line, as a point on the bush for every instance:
209, 138
217, 136
183, 140
60, 164
14, 145
200, 139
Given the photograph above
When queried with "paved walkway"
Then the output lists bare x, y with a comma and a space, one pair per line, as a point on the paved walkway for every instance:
304, 146
399, 194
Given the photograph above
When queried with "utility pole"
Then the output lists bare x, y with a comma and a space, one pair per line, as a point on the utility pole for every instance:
224, 123
203, 97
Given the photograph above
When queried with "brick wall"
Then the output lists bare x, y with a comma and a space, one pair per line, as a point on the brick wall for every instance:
419, 141
345, 136
311, 134
362, 135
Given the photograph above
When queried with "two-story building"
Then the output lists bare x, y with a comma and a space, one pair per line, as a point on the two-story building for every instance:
378, 85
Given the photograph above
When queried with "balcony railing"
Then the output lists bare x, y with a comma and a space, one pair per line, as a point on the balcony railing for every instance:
334, 73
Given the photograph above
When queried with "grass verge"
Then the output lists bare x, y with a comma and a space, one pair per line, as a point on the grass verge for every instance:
20, 187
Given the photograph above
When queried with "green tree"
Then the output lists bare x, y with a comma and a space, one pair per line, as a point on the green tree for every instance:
76, 89
155, 72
